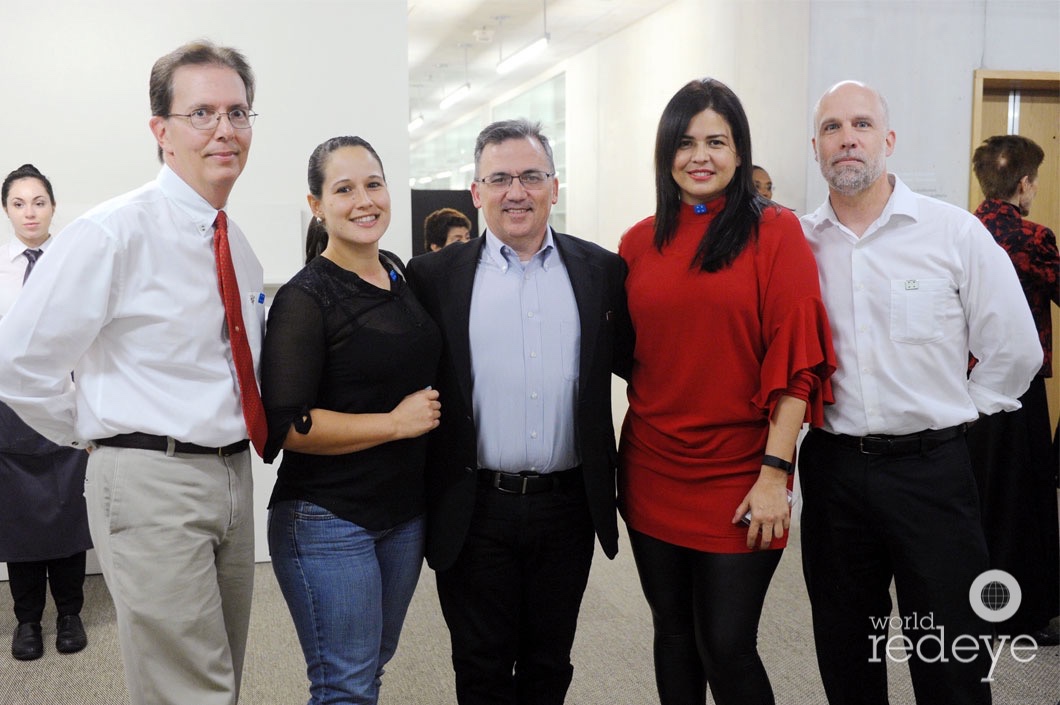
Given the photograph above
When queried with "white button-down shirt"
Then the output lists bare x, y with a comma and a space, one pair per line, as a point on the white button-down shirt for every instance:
13, 270
127, 297
924, 285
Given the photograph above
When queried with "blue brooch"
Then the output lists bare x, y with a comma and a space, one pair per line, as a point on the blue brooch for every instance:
700, 208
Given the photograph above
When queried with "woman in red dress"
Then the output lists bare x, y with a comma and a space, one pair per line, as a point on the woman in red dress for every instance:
733, 355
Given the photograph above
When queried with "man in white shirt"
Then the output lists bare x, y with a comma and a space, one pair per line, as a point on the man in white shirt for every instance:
911, 285
129, 299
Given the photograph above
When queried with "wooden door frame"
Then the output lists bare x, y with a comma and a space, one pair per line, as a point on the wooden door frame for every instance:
988, 79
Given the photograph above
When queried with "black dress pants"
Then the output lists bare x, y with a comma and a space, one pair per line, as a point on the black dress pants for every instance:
29, 581
913, 518
512, 598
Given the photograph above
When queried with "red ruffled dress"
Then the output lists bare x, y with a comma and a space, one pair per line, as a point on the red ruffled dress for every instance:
714, 353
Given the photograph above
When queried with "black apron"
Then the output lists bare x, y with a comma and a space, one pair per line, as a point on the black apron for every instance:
42, 495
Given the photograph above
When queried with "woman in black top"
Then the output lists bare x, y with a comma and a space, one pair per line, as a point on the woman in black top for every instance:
347, 368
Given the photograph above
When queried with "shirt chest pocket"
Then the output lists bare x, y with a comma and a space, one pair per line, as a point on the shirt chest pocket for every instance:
916, 309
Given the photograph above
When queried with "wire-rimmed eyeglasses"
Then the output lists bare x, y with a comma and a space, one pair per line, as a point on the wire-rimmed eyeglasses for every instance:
529, 179
207, 119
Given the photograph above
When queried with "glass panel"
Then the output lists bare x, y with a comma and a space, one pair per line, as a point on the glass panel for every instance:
446, 160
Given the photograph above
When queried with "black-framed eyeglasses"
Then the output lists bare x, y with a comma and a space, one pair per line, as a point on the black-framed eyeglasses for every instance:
529, 179
207, 119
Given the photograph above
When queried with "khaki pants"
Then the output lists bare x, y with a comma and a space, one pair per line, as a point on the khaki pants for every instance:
175, 539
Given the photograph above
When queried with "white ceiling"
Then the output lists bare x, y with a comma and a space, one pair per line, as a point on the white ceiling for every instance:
441, 31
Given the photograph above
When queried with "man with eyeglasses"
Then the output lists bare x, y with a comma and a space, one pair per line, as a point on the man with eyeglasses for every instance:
130, 297
523, 473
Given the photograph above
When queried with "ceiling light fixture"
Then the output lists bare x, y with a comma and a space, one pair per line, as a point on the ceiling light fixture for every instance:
416, 123
455, 97
460, 93
531, 50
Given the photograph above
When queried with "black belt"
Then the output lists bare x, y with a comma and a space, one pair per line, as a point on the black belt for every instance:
898, 445
527, 482
147, 441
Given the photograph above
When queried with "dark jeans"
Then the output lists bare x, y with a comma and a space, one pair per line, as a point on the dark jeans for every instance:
29, 580
511, 600
915, 518
705, 610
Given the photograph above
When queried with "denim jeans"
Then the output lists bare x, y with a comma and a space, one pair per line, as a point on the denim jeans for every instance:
348, 590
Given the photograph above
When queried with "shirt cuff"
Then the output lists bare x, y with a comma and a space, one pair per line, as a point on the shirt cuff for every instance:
987, 401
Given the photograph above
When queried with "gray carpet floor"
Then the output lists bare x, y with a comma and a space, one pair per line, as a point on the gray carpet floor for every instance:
612, 653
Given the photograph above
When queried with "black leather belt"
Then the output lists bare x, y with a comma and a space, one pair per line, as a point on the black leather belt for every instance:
165, 444
897, 445
527, 482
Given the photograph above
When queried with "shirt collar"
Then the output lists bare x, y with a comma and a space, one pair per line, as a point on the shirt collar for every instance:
901, 203
16, 247
503, 256
187, 199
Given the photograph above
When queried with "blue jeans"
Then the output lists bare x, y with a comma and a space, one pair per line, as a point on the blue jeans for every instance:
348, 589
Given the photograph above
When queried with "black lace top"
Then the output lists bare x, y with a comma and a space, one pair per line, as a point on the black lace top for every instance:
336, 342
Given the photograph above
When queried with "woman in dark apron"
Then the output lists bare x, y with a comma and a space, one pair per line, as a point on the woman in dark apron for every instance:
43, 524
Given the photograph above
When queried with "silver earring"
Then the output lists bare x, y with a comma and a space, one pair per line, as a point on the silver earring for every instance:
319, 219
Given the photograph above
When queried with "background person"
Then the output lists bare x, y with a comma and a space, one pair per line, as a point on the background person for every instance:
130, 298
911, 285
732, 355
347, 369
1011, 453
443, 227
762, 181
43, 525
523, 463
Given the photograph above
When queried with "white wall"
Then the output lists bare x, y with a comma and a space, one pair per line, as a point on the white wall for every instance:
74, 103
921, 55
617, 90
75, 76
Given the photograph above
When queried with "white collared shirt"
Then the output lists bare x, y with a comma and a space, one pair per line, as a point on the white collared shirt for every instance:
13, 270
907, 301
127, 297
525, 336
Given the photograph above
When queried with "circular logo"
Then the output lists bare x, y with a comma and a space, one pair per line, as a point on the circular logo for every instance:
995, 595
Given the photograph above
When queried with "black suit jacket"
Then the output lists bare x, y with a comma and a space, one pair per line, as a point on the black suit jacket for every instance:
443, 281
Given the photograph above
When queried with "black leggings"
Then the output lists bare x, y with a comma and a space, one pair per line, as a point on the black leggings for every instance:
705, 609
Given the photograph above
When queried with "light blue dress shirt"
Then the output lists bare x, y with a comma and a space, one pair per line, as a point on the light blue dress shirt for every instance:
525, 337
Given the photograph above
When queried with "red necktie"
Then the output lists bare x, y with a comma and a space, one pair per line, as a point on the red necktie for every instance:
253, 411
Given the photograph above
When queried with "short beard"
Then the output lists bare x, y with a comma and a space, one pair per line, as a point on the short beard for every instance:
852, 181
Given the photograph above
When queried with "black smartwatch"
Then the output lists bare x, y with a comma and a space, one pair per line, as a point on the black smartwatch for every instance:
775, 462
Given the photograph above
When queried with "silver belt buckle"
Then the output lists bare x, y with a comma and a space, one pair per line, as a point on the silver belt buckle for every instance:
861, 445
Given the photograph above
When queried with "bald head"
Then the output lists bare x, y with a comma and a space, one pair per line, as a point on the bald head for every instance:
852, 139
850, 88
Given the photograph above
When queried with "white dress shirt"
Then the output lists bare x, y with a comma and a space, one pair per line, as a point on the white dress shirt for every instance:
924, 285
13, 270
525, 336
128, 298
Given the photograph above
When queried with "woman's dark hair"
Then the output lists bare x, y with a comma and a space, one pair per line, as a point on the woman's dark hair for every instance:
737, 223
316, 239
26, 171
316, 235
436, 226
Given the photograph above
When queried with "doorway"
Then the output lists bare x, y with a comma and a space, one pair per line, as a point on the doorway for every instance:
1025, 103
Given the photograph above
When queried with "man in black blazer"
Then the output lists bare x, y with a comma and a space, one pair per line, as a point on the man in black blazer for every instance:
521, 471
